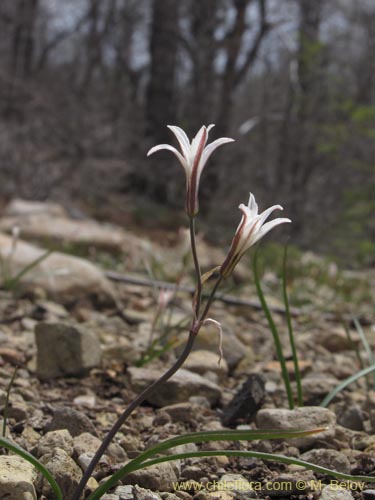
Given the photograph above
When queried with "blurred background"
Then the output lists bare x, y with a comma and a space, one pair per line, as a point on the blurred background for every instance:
88, 86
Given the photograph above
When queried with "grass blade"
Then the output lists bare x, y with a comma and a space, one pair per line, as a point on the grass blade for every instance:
366, 345
297, 372
12, 282
6, 443
194, 437
275, 333
6, 405
345, 383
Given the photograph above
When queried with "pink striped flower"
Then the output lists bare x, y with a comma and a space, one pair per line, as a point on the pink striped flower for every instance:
193, 157
250, 230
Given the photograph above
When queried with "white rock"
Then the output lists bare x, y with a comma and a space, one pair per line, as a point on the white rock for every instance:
17, 207
83, 233
17, 478
304, 418
64, 277
332, 493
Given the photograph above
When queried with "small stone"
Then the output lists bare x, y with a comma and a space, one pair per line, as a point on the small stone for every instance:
55, 439
181, 412
316, 386
246, 401
215, 495
332, 459
63, 350
131, 445
202, 361
368, 494
72, 420
236, 483
178, 388
351, 417
17, 478
162, 418
233, 349
85, 443
143, 494
116, 452
156, 477
125, 492
65, 471
336, 340
332, 493
304, 418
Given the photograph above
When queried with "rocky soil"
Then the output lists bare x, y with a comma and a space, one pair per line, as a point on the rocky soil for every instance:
81, 335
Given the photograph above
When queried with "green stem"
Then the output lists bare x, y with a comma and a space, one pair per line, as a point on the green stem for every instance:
132, 406
275, 333
297, 372
6, 405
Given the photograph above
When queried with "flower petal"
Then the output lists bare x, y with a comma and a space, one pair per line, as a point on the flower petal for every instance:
208, 150
182, 138
267, 227
264, 215
174, 151
252, 206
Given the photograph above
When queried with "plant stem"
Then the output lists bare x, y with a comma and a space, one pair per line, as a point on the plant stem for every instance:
275, 333
132, 406
6, 405
198, 296
210, 299
297, 372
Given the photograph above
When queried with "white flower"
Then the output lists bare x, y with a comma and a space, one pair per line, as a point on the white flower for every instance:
250, 230
193, 157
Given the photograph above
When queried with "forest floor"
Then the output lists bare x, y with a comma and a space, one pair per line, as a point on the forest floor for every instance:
140, 334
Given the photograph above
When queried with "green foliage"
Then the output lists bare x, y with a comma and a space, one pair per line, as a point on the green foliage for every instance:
9, 445
345, 383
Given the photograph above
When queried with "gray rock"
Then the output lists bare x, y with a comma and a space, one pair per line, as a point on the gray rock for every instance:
72, 420
304, 418
316, 386
65, 471
55, 439
351, 417
156, 477
179, 388
332, 493
64, 349
332, 459
368, 494
17, 478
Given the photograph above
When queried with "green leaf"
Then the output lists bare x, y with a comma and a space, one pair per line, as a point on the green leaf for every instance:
195, 437
345, 383
6, 443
